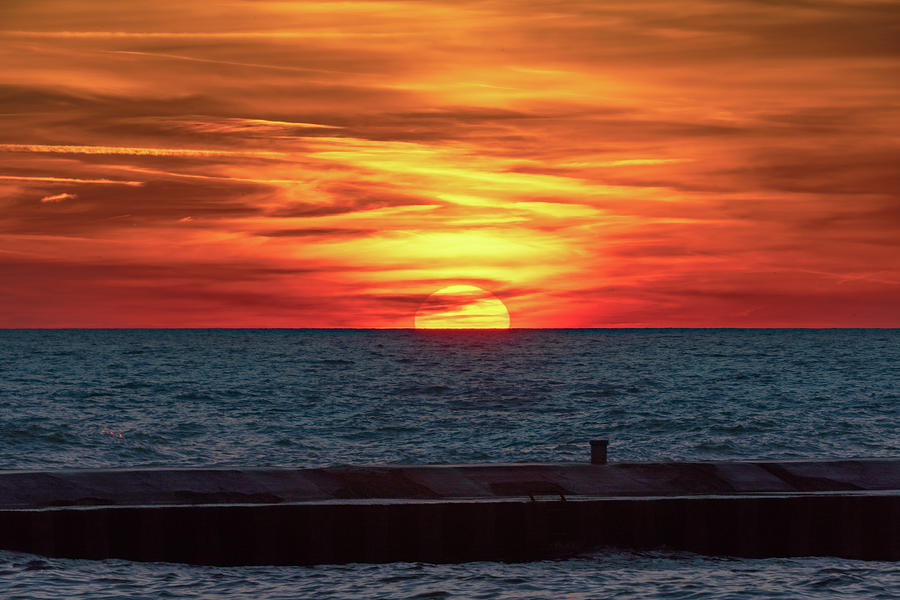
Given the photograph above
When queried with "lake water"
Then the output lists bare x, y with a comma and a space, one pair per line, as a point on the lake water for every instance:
122, 398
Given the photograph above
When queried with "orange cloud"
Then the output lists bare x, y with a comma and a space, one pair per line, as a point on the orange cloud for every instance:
185, 152
58, 197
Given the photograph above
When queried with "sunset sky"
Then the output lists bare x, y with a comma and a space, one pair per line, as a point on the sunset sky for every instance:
332, 164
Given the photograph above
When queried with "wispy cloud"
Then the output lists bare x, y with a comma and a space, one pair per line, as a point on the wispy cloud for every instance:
136, 151
198, 35
58, 197
49, 179
224, 62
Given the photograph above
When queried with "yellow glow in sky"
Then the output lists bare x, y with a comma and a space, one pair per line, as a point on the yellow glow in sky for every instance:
462, 307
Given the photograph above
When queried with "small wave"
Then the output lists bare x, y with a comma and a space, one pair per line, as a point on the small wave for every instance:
135, 385
86, 394
34, 565
194, 395
416, 390
15, 433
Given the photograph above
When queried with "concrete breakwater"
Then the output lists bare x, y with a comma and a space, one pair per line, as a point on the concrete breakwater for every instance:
437, 513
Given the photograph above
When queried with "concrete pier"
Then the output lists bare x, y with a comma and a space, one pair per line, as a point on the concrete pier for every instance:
848, 508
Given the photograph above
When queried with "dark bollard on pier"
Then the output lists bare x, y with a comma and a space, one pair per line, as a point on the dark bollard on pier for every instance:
598, 451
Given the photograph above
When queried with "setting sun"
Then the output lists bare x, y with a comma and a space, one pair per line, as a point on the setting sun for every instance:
462, 307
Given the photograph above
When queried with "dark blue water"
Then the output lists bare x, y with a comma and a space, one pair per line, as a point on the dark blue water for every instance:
305, 397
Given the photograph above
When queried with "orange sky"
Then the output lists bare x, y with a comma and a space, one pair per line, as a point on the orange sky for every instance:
331, 164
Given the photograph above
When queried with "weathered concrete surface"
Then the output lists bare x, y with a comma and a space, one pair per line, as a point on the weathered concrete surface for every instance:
20, 489
455, 513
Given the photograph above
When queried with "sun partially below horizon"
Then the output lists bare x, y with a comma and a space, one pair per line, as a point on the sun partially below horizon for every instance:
462, 307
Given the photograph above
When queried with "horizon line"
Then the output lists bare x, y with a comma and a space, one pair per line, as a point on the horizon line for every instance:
485, 329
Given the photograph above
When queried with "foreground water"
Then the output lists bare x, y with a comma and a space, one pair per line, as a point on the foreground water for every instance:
309, 398
621, 576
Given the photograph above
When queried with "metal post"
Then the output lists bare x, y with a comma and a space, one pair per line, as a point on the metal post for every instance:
598, 452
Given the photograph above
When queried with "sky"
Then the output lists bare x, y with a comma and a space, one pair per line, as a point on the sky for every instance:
332, 164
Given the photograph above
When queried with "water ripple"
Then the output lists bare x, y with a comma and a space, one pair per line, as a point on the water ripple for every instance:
600, 575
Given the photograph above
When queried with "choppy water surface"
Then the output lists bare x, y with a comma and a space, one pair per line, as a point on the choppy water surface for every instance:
324, 397
308, 398
603, 575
